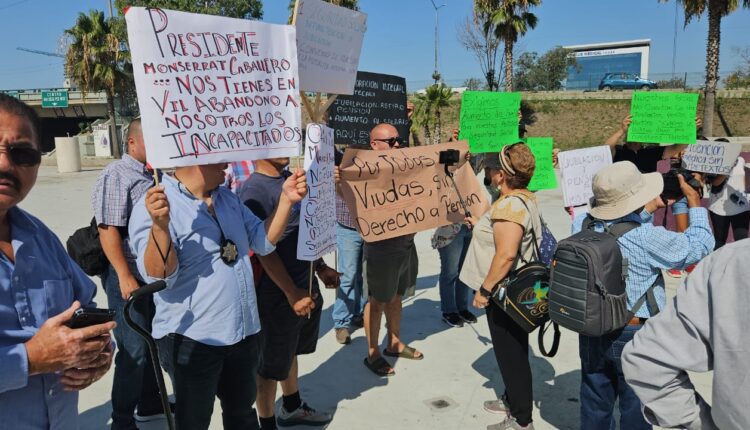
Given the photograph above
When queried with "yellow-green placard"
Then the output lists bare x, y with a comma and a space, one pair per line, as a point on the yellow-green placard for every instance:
663, 117
489, 120
544, 174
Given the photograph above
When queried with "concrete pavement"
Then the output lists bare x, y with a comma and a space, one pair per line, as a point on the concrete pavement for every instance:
443, 391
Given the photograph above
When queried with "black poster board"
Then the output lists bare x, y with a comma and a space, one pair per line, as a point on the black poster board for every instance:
377, 99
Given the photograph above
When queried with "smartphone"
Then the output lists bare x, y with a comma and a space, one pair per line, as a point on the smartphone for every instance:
85, 317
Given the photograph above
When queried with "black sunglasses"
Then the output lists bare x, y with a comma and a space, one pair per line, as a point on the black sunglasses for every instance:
24, 155
391, 141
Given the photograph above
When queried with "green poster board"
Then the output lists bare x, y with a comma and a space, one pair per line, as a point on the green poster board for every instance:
489, 120
663, 117
544, 174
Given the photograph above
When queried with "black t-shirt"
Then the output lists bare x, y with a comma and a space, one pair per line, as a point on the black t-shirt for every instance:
645, 160
261, 195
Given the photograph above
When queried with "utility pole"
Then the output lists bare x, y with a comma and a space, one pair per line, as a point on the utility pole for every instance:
436, 74
109, 2
674, 41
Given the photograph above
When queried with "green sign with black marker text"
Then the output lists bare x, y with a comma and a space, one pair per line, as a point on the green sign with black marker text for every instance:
663, 117
544, 174
489, 120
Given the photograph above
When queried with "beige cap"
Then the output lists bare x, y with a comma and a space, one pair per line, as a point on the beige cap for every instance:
620, 189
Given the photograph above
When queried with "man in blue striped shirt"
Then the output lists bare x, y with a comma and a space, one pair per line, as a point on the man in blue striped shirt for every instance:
621, 193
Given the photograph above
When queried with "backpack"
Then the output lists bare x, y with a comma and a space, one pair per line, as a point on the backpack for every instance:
86, 250
587, 281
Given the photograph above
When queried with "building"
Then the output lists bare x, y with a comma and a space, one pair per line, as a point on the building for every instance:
595, 60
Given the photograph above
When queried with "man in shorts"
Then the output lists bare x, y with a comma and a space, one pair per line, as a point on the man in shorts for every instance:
390, 272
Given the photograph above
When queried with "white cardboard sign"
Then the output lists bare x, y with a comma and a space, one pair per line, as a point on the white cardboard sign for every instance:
213, 89
716, 158
578, 168
317, 223
329, 42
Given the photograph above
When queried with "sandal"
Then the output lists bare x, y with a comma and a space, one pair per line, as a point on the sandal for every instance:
380, 367
409, 353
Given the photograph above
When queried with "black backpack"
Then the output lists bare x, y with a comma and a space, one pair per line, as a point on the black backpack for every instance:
587, 281
86, 250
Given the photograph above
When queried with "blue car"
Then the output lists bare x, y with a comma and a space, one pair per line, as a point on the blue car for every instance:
625, 81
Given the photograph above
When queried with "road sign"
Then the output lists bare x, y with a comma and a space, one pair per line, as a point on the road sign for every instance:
54, 99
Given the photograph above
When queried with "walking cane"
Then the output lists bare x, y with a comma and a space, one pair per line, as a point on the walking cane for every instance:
148, 290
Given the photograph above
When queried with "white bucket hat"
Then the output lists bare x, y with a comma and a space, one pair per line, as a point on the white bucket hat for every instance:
620, 189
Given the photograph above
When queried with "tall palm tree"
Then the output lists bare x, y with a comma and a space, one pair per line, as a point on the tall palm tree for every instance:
717, 9
510, 19
428, 110
349, 4
95, 62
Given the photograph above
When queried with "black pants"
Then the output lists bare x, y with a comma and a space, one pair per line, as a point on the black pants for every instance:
201, 372
511, 346
721, 225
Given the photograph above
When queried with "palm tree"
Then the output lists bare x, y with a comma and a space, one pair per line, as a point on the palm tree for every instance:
428, 110
95, 62
717, 9
349, 4
510, 19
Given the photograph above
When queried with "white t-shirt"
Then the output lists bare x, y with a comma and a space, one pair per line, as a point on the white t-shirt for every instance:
732, 199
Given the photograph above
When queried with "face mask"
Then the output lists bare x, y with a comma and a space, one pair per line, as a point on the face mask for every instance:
494, 192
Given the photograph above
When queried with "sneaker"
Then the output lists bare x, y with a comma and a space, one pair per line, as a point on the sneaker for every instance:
499, 406
674, 273
144, 418
468, 317
358, 321
510, 424
342, 336
304, 415
453, 320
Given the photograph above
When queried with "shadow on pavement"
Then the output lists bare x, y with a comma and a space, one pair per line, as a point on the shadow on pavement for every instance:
96, 418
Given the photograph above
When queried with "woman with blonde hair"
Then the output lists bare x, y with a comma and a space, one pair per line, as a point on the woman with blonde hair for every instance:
502, 239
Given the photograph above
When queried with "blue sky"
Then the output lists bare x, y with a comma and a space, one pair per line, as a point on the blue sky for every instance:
401, 32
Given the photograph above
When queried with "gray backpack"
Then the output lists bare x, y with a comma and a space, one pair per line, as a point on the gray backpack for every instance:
587, 282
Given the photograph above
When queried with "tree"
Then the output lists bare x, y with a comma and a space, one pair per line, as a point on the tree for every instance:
545, 73
478, 36
349, 4
717, 9
740, 78
428, 110
511, 19
247, 9
473, 84
93, 59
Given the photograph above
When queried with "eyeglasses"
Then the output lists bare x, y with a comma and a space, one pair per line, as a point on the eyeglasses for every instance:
23, 155
391, 141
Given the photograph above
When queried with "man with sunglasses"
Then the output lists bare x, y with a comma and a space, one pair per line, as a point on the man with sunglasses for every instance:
118, 188
43, 363
390, 272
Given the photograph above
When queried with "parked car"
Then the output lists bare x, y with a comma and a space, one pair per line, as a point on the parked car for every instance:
625, 81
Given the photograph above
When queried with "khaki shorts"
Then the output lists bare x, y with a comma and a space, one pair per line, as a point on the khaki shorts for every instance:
389, 272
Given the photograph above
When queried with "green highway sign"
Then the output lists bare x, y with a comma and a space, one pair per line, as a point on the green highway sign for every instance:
54, 99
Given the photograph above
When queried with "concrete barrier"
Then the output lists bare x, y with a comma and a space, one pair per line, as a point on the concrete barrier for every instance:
68, 154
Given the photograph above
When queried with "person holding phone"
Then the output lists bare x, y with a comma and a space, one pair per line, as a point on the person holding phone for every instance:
43, 362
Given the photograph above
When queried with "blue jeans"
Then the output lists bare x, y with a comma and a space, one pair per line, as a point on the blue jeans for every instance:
350, 301
134, 383
454, 293
602, 382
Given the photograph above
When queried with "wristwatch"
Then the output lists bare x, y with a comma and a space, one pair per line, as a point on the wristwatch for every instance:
485, 293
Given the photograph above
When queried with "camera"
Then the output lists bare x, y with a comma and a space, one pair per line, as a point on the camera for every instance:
449, 157
672, 189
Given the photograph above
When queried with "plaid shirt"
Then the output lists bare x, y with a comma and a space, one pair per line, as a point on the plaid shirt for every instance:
237, 173
342, 213
650, 249
118, 188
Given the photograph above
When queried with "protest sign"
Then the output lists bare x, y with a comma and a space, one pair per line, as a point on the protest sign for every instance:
544, 173
213, 89
489, 120
377, 99
401, 191
317, 224
717, 158
329, 41
663, 117
577, 169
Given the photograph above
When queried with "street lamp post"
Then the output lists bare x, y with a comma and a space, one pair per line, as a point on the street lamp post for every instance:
436, 74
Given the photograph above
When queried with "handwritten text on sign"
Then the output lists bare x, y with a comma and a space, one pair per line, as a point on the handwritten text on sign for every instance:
329, 40
578, 168
489, 120
214, 89
401, 191
663, 117
317, 227
544, 173
716, 158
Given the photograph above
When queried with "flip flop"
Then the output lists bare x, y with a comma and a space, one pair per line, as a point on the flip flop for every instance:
408, 353
380, 367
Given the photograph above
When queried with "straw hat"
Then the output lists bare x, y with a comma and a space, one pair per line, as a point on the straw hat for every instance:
620, 189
